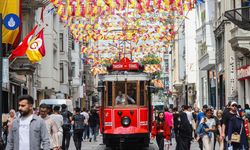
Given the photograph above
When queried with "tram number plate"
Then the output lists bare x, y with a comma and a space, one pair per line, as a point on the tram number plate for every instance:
108, 123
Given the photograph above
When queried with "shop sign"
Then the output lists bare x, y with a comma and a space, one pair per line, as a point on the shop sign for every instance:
243, 72
5, 71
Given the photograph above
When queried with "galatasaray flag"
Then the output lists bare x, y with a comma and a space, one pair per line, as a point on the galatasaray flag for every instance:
7, 7
22, 47
36, 50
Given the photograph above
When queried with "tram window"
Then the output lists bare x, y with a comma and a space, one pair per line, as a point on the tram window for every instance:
131, 93
110, 94
142, 91
120, 93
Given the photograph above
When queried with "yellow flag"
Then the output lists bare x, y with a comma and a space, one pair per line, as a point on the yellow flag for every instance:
7, 7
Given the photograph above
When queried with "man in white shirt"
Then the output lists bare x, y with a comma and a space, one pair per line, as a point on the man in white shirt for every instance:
86, 120
51, 127
29, 131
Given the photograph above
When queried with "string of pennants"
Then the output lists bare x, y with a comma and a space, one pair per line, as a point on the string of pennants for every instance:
139, 21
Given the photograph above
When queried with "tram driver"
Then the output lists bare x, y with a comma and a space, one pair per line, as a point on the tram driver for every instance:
120, 99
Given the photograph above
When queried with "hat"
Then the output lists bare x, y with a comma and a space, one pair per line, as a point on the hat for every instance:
232, 103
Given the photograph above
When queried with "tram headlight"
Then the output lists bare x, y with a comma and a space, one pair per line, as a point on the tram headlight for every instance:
125, 121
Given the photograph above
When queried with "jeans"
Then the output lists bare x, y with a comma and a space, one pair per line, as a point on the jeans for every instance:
92, 132
77, 137
86, 132
66, 139
160, 141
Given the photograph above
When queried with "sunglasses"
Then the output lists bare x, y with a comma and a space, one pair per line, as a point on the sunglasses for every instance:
234, 105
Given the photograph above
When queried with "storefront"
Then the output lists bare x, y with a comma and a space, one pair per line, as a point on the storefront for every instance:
243, 76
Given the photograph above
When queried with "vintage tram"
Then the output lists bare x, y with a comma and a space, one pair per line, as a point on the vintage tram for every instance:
126, 110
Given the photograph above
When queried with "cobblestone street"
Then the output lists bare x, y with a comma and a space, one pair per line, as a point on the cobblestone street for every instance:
86, 145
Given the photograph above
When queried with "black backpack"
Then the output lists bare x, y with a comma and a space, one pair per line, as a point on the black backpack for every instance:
79, 121
66, 120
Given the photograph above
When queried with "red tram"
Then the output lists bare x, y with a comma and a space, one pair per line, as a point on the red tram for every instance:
126, 110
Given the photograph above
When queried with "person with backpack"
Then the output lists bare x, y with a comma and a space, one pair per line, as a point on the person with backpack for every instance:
206, 130
67, 117
198, 119
78, 128
182, 131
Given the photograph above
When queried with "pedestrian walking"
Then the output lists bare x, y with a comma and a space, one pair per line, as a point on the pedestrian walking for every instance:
236, 130
186, 109
28, 132
226, 117
219, 130
7, 126
199, 117
161, 130
86, 122
78, 127
51, 127
58, 119
12, 116
183, 131
93, 121
169, 120
206, 130
67, 117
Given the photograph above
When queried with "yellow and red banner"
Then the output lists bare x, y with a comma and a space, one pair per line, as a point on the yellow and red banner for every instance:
36, 49
9, 7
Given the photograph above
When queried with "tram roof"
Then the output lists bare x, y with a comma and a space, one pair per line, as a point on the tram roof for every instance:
122, 76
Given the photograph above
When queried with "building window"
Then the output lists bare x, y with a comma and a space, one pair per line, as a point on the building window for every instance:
73, 44
245, 11
55, 58
219, 8
61, 73
73, 67
61, 42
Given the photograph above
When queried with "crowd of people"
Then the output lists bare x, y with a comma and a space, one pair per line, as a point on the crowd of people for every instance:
48, 130
226, 129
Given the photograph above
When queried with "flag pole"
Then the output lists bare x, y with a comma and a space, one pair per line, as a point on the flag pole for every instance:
1, 75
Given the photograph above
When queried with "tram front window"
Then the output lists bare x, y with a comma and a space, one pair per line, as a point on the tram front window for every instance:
122, 98
131, 93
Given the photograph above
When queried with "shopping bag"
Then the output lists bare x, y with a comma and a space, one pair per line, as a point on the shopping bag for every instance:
155, 143
230, 147
166, 144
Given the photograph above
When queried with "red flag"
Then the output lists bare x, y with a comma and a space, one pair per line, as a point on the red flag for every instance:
22, 47
36, 50
42, 48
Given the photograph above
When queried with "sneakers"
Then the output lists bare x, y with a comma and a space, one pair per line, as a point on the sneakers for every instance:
90, 139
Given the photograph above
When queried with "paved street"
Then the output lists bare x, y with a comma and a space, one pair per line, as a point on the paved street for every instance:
99, 146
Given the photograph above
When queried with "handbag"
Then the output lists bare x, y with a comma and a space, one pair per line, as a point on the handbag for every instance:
235, 137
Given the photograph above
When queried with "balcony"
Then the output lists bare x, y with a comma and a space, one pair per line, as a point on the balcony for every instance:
240, 17
22, 66
34, 3
240, 41
206, 56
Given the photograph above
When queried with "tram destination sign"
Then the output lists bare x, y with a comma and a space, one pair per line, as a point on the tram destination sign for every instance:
127, 66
